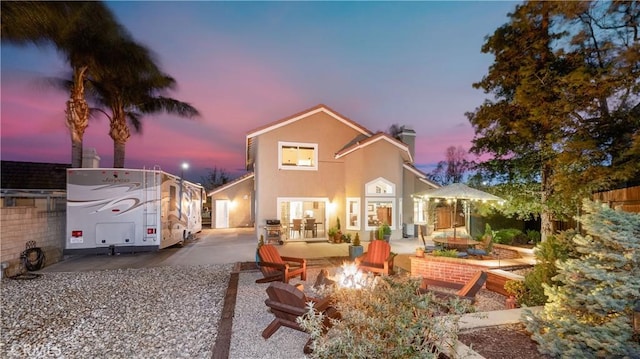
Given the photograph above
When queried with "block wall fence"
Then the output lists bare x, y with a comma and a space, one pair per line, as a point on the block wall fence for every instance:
18, 225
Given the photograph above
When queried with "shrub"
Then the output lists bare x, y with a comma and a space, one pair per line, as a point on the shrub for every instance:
534, 236
388, 321
588, 314
556, 248
445, 253
506, 236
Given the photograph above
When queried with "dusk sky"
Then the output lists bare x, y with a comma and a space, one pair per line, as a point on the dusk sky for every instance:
246, 64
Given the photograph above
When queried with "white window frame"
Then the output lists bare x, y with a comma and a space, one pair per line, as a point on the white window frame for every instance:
419, 211
371, 188
298, 167
394, 217
357, 212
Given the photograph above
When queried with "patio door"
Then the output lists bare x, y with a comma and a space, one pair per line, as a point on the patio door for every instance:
309, 215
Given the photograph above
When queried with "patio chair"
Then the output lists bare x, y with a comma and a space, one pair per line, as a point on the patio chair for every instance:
277, 268
483, 248
427, 249
287, 303
297, 227
467, 291
310, 225
377, 259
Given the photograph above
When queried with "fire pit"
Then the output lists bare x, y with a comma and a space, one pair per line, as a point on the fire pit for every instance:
352, 277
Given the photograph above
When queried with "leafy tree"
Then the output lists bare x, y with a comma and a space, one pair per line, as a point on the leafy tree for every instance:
565, 84
453, 169
215, 178
80, 31
589, 314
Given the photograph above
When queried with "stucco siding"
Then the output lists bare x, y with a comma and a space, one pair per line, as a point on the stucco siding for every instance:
327, 181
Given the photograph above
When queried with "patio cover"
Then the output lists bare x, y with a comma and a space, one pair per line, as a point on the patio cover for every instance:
458, 191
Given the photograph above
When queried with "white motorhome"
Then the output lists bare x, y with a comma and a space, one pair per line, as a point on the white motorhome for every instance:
114, 210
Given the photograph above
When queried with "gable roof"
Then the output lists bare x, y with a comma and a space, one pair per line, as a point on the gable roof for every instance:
33, 175
306, 113
380, 136
422, 177
296, 117
236, 181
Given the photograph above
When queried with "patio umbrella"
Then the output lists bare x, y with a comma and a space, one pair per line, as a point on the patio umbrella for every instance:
456, 191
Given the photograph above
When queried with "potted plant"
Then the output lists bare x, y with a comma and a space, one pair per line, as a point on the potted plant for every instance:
420, 252
355, 249
332, 232
384, 232
337, 235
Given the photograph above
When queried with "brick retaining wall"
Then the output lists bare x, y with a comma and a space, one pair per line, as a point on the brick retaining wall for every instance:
445, 268
458, 270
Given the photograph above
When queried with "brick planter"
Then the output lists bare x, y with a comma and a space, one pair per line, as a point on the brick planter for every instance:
460, 271
445, 268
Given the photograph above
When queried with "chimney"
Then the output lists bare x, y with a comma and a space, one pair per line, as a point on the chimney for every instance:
90, 158
408, 136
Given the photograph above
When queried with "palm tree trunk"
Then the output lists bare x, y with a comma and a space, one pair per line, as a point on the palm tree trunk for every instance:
118, 154
119, 132
77, 116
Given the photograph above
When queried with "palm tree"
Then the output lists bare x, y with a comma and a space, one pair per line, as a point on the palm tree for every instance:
130, 87
79, 30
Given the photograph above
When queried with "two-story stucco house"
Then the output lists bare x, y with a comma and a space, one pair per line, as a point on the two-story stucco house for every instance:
317, 166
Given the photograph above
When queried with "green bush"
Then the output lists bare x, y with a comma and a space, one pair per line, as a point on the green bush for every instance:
445, 253
506, 236
534, 236
388, 321
556, 249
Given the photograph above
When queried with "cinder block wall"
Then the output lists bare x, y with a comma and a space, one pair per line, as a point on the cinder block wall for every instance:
18, 225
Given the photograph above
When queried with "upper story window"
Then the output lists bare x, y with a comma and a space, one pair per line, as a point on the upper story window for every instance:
297, 156
380, 187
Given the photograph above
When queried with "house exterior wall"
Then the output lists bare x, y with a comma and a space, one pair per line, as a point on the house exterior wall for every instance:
411, 185
241, 196
378, 160
327, 182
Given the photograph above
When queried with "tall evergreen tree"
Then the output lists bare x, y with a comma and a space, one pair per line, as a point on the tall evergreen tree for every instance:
589, 314
565, 91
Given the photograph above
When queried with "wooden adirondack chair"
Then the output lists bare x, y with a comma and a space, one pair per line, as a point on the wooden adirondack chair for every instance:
276, 268
377, 259
287, 303
467, 291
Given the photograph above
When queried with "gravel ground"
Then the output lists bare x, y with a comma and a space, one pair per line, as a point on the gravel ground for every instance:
162, 312
252, 316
